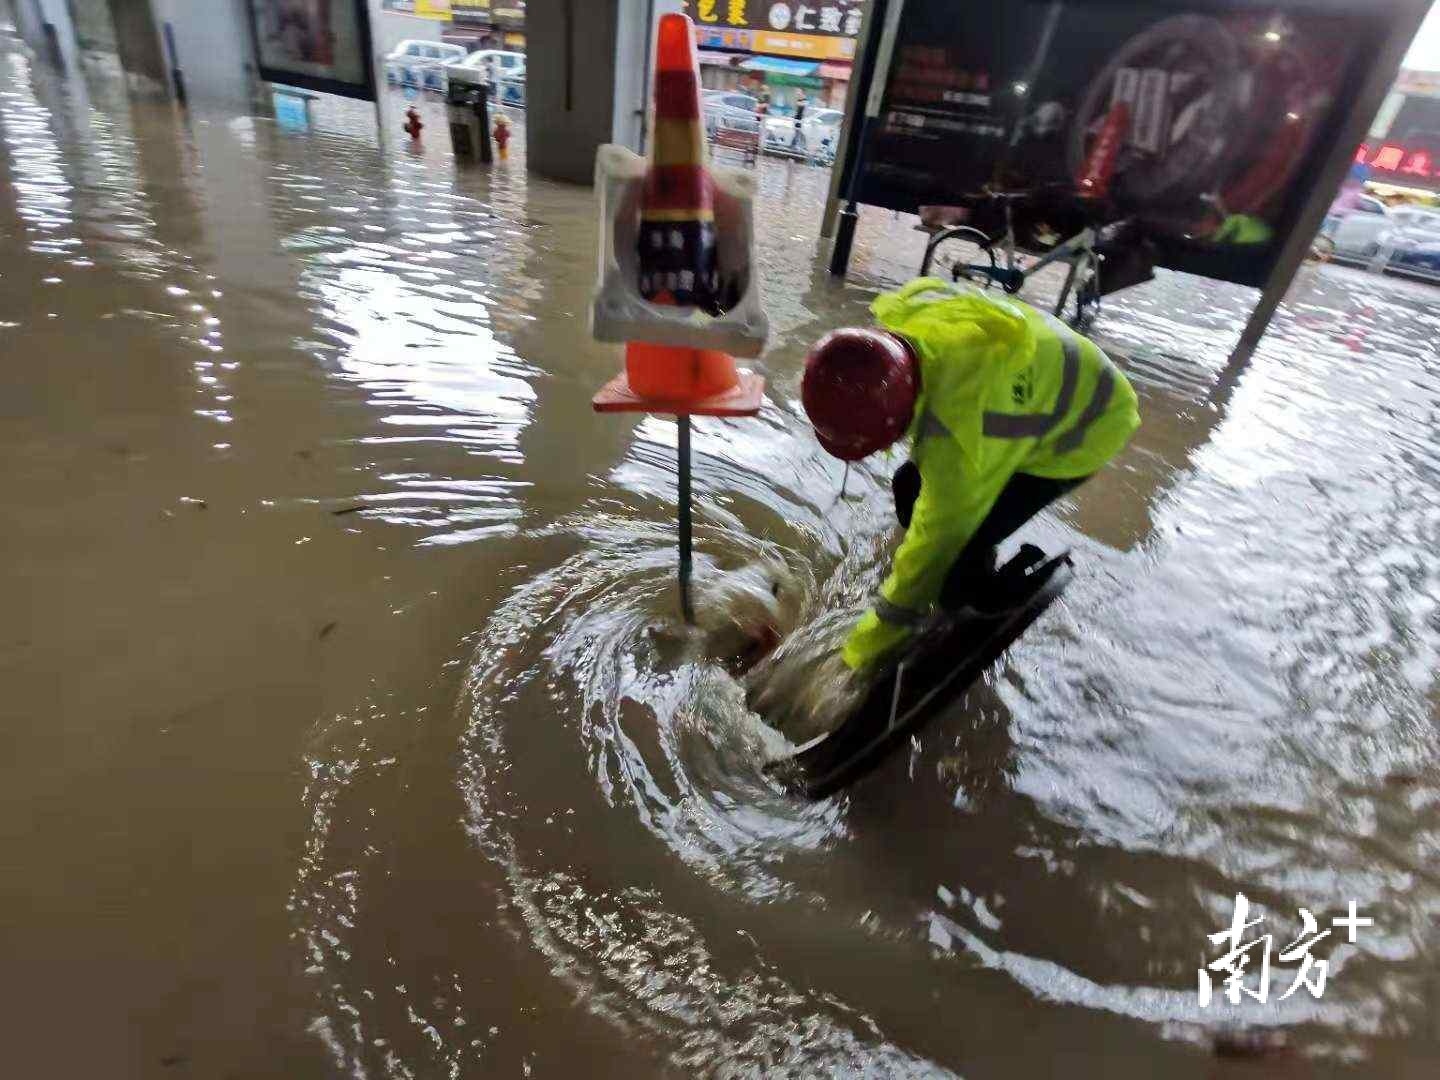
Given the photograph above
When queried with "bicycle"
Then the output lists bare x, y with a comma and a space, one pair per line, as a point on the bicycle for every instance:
1080, 251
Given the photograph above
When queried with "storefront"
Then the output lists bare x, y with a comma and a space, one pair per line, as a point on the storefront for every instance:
779, 47
436, 10
785, 80
488, 24
476, 24
1400, 172
1402, 155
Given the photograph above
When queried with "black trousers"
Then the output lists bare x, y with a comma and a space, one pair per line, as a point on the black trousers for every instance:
1023, 497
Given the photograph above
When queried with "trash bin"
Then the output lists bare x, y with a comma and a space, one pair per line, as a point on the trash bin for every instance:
469, 117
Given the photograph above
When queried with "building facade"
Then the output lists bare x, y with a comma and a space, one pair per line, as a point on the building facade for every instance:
1401, 157
781, 47
476, 24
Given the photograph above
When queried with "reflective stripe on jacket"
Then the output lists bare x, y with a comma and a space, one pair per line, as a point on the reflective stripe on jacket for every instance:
1004, 389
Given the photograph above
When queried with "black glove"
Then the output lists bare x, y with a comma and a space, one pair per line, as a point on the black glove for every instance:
905, 485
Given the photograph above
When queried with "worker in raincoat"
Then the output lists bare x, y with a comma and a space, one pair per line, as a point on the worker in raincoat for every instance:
1006, 409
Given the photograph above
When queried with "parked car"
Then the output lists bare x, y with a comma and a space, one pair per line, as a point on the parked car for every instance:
1417, 222
730, 109
1421, 259
1359, 235
422, 63
1355, 233
491, 64
1415, 243
819, 133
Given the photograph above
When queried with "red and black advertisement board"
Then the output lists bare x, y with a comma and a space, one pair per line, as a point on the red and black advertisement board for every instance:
1203, 121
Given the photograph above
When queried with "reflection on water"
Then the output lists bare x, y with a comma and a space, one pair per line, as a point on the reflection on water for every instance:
354, 724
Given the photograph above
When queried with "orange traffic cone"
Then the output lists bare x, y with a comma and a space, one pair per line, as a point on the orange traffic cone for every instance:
677, 205
677, 246
678, 266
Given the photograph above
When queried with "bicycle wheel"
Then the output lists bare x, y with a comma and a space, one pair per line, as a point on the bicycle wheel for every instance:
959, 269
1087, 290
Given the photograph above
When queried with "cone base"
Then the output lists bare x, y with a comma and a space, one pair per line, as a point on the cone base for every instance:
676, 373
743, 399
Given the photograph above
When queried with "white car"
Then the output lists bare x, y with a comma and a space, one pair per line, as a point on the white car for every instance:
488, 65
1416, 223
1355, 234
730, 109
421, 63
819, 133
1371, 226
503, 72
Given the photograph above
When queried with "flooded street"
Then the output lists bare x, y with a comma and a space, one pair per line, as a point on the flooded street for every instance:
350, 728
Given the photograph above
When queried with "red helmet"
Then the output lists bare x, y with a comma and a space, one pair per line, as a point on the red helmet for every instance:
859, 390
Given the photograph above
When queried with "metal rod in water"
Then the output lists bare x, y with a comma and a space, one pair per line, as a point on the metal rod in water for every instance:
685, 541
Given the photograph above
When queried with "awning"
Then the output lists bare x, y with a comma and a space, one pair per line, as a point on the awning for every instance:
780, 67
715, 59
835, 71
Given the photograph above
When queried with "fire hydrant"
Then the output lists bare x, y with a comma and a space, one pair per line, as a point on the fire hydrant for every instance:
502, 135
413, 123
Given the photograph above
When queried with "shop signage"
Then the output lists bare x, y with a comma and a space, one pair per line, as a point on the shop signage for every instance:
1401, 165
835, 18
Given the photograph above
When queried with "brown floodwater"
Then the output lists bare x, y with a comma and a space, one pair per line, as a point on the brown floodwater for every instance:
346, 731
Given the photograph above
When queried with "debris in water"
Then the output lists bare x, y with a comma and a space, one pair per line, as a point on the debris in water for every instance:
744, 614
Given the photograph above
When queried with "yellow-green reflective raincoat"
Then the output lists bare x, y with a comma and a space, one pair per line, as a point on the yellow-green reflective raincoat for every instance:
1003, 389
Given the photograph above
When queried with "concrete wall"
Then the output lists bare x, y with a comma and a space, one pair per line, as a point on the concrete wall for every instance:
94, 27
212, 40
579, 94
56, 45
389, 28
57, 15
213, 48
216, 54
137, 40
632, 66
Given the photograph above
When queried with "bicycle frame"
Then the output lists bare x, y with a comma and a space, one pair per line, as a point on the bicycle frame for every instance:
1078, 251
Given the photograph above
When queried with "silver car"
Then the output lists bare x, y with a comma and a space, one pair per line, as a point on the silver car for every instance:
731, 110
818, 136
